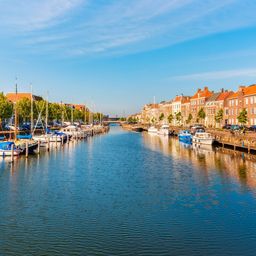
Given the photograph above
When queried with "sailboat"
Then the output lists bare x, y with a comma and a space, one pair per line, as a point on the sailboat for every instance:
23, 141
49, 136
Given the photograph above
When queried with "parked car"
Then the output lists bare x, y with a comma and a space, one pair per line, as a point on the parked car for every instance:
226, 126
235, 127
252, 128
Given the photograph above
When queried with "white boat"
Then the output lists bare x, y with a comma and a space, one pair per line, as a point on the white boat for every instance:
74, 131
51, 137
6, 149
152, 130
164, 130
203, 138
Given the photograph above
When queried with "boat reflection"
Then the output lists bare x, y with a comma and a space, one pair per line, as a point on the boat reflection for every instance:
207, 159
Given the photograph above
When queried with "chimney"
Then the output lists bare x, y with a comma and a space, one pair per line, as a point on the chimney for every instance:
222, 89
206, 88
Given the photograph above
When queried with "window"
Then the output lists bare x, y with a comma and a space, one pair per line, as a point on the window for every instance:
246, 101
251, 99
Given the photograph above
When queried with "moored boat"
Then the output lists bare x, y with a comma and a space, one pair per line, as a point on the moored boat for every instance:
74, 131
6, 149
185, 136
152, 130
203, 138
164, 130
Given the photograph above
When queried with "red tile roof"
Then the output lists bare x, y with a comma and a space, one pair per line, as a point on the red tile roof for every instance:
21, 95
205, 93
250, 90
224, 95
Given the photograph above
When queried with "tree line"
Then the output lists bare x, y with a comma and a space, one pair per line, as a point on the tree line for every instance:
56, 112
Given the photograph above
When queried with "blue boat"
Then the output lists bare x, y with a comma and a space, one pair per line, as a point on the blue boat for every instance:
185, 136
6, 149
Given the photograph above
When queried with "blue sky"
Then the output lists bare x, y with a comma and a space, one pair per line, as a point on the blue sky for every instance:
116, 55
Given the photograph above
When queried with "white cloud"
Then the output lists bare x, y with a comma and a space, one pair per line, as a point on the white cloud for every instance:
217, 75
34, 14
89, 27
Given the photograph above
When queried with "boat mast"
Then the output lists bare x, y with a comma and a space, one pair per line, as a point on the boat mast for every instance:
85, 113
72, 114
62, 114
32, 111
15, 113
46, 113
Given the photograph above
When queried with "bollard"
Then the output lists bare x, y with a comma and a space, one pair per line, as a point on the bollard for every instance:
48, 144
38, 147
56, 141
67, 138
62, 140
12, 153
26, 149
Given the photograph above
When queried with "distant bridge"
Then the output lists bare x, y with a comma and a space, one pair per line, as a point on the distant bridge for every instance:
112, 120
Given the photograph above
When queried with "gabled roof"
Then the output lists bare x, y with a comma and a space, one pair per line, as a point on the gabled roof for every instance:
21, 95
224, 95
205, 93
214, 96
181, 98
246, 91
233, 95
250, 90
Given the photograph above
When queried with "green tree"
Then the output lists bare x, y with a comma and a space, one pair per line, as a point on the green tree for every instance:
153, 120
242, 117
178, 117
78, 115
6, 108
23, 108
170, 118
201, 114
161, 117
131, 120
55, 111
39, 107
219, 116
190, 117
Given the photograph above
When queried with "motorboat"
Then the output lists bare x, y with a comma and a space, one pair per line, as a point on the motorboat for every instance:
164, 130
6, 149
185, 136
74, 131
152, 130
51, 137
203, 138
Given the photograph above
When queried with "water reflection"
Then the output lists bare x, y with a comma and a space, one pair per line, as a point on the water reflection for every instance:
128, 194
237, 165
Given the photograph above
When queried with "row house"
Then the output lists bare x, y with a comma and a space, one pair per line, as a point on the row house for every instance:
215, 103
177, 107
150, 113
185, 110
198, 101
245, 97
165, 109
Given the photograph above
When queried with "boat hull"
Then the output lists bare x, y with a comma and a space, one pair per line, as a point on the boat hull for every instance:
203, 141
185, 138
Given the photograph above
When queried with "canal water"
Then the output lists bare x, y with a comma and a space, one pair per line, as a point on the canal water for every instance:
127, 193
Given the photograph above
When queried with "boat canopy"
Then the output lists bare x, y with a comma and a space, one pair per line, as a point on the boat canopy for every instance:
24, 137
6, 145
